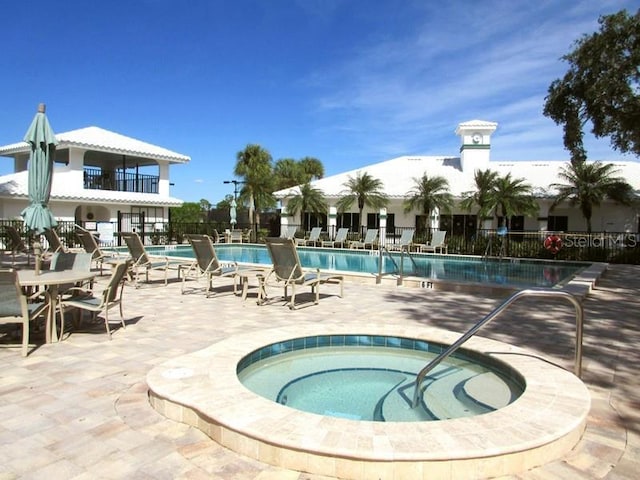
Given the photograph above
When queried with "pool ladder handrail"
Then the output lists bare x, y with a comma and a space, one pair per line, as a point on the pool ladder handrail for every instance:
383, 250
531, 292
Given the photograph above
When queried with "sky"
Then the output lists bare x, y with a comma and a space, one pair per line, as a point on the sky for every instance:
349, 82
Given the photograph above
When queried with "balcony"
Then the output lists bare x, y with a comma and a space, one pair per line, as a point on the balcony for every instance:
97, 179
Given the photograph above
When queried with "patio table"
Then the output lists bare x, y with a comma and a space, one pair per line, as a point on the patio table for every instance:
51, 280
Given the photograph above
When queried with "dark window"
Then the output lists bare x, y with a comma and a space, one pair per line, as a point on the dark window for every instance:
558, 223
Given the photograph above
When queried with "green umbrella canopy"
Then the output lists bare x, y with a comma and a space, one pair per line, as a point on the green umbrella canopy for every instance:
40, 136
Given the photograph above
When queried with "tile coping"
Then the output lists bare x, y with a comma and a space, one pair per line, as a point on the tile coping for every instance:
203, 390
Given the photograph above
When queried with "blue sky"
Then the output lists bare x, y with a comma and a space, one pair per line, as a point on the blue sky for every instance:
350, 82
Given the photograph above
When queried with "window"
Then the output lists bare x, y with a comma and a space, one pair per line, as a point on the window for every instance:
311, 220
558, 223
349, 220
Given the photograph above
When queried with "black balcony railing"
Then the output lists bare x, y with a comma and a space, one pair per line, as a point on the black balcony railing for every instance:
96, 179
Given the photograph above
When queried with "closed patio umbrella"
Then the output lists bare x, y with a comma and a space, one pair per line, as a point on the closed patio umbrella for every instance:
232, 212
40, 136
37, 216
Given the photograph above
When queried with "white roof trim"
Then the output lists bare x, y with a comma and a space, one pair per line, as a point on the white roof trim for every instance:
96, 138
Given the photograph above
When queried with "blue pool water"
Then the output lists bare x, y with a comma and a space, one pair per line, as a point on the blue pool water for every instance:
371, 378
506, 272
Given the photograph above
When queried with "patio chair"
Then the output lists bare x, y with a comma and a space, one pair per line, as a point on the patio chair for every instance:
288, 272
142, 261
436, 244
208, 266
341, 239
370, 239
90, 245
55, 244
15, 244
314, 237
96, 302
14, 303
405, 242
288, 231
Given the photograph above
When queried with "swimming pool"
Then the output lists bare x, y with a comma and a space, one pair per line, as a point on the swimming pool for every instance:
511, 273
372, 378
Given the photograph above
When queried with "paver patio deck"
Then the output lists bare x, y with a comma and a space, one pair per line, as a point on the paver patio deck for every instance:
79, 409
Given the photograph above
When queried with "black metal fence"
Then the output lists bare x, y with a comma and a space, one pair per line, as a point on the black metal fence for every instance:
611, 247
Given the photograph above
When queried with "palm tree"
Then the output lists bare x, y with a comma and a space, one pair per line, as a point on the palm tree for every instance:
511, 197
307, 200
427, 195
588, 184
312, 168
287, 173
365, 190
481, 197
253, 165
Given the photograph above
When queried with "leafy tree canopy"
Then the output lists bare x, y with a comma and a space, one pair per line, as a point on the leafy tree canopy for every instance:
188, 212
588, 184
602, 86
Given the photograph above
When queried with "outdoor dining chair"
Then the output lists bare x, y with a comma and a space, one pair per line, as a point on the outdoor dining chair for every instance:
55, 244
15, 244
287, 272
96, 302
14, 303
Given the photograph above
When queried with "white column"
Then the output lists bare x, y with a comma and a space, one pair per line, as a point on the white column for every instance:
382, 230
163, 186
332, 222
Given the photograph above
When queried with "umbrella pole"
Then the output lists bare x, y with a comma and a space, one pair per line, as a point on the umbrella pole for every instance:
37, 252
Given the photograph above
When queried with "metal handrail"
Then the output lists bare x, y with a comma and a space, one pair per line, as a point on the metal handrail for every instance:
501, 308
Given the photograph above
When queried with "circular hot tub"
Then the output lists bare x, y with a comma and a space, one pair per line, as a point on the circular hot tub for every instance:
545, 422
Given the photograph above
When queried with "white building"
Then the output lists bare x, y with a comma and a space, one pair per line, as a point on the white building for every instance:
398, 173
99, 177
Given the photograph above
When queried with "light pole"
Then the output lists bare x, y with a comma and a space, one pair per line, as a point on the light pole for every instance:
235, 187
234, 204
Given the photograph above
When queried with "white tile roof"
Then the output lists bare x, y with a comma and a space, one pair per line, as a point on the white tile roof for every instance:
99, 139
397, 175
15, 185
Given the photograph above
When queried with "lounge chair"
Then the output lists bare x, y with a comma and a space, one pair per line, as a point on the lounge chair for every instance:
90, 245
15, 244
55, 244
405, 243
370, 239
14, 303
208, 266
288, 272
436, 245
143, 261
288, 231
341, 239
95, 302
314, 237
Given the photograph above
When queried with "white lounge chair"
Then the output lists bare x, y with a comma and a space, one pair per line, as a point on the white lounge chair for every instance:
436, 245
370, 239
314, 237
406, 241
341, 239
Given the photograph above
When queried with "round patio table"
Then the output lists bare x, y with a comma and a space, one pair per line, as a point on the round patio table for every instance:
52, 279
